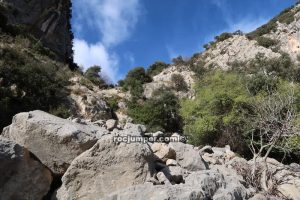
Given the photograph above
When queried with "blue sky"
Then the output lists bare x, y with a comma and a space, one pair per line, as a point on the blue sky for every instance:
121, 34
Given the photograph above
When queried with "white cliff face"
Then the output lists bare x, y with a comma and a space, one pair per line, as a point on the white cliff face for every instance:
238, 48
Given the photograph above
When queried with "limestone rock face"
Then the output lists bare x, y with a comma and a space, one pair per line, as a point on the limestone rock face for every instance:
48, 20
55, 141
22, 177
187, 157
237, 48
199, 185
107, 167
87, 102
164, 80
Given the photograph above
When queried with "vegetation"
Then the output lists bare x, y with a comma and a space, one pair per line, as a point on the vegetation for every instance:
266, 42
179, 83
222, 37
28, 84
93, 75
224, 110
159, 113
286, 17
156, 68
134, 81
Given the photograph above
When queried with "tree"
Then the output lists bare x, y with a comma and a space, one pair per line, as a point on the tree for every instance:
93, 74
156, 68
273, 126
178, 82
159, 113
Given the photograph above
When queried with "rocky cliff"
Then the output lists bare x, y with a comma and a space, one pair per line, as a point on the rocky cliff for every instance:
47, 20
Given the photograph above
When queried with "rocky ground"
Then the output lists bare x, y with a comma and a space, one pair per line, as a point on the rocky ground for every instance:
52, 158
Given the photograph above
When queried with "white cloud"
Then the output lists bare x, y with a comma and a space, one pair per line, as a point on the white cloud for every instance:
87, 55
113, 21
248, 24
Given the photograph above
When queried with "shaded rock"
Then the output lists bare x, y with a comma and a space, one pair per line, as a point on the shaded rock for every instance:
174, 174
161, 177
163, 151
55, 141
22, 177
106, 167
206, 149
187, 157
48, 21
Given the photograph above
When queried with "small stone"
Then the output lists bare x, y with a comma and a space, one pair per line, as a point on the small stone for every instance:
171, 162
111, 124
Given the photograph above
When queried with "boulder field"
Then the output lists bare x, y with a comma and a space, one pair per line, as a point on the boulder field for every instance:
86, 162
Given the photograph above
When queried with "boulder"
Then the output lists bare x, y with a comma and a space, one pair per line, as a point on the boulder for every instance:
106, 167
111, 124
187, 157
175, 174
163, 151
22, 177
198, 185
55, 141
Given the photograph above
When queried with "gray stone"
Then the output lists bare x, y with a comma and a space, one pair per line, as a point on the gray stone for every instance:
22, 177
111, 124
106, 167
163, 151
187, 157
55, 141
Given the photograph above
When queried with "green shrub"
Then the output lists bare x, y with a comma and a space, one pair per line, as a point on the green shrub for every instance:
198, 68
37, 85
156, 68
93, 74
134, 81
217, 116
223, 36
266, 42
161, 112
286, 16
178, 82
178, 61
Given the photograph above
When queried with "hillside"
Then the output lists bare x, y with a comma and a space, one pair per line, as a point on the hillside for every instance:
223, 124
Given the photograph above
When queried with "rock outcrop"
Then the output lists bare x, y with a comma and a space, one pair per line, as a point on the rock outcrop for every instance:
107, 167
22, 176
55, 141
87, 102
48, 20
96, 164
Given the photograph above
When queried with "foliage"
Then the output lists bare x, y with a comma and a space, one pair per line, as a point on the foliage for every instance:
160, 112
282, 67
178, 82
223, 36
219, 110
266, 42
198, 68
156, 68
134, 81
286, 17
27, 84
93, 74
